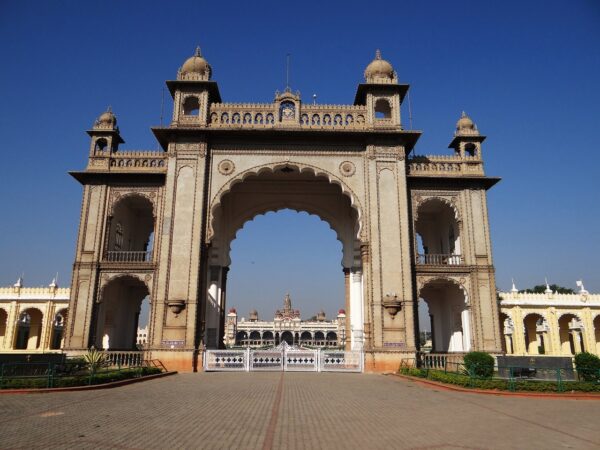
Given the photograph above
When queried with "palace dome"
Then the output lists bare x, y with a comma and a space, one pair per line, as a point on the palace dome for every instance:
465, 125
196, 65
107, 119
342, 311
379, 69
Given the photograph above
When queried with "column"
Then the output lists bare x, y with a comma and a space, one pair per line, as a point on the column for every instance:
466, 326
356, 308
347, 325
213, 300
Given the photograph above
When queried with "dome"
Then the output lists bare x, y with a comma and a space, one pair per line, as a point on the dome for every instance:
379, 69
106, 120
465, 125
342, 311
232, 311
195, 67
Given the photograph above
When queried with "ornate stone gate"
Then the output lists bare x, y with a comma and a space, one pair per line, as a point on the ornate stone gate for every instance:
163, 221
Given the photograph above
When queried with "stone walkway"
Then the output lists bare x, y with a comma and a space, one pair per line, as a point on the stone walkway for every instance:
292, 411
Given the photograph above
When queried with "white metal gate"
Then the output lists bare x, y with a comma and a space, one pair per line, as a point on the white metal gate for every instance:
283, 357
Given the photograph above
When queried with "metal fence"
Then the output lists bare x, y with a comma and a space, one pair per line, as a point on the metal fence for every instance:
283, 358
71, 372
513, 378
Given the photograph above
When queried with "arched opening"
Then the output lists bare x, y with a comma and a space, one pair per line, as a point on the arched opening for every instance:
470, 150
287, 337
241, 338
191, 106
383, 109
101, 145
58, 327
438, 239
450, 316
319, 340
507, 328
536, 330
571, 336
597, 333
331, 339
29, 330
119, 311
267, 229
425, 327
306, 338
131, 236
3, 320
268, 338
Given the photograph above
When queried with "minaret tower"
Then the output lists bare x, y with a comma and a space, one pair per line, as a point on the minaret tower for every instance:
467, 139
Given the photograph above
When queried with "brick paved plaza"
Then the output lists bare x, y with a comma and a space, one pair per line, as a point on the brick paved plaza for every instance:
292, 411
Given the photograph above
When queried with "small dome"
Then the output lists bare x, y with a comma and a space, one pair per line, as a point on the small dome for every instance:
106, 120
465, 125
195, 67
342, 311
379, 69
232, 310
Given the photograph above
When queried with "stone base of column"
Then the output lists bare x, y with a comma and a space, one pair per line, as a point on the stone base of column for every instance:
388, 361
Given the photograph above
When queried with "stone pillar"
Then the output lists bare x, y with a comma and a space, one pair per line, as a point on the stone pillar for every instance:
223, 303
11, 326
576, 342
356, 335
347, 324
466, 326
213, 308
46, 325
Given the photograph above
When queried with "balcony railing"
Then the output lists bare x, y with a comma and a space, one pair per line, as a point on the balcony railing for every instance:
433, 259
128, 256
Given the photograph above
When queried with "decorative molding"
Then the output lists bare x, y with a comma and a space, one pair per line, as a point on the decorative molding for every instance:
226, 167
347, 168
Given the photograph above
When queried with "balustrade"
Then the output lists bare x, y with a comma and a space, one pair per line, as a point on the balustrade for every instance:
440, 259
124, 358
128, 256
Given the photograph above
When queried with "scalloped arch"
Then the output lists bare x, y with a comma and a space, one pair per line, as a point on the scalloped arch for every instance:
127, 195
446, 279
442, 199
272, 167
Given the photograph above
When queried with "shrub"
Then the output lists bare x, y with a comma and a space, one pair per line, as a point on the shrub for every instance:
588, 366
479, 364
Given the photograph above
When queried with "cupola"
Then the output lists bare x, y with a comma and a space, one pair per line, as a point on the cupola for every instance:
380, 71
195, 68
106, 121
465, 126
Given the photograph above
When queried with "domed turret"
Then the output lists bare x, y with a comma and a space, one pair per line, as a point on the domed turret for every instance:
321, 316
380, 71
253, 315
107, 120
195, 68
465, 126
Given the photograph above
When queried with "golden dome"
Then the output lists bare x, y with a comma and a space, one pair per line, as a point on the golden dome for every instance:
196, 65
379, 69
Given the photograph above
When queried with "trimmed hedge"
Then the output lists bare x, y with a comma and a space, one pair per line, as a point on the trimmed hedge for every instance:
588, 366
79, 380
500, 384
480, 364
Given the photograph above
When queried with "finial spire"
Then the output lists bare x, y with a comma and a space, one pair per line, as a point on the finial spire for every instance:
548, 290
581, 287
109, 109
464, 114
198, 52
377, 54
514, 289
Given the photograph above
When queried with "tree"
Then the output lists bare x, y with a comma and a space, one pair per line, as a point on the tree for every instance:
541, 288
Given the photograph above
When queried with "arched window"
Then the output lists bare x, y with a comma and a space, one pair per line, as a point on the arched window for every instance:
101, 145
191, 106
382, 109
470, 149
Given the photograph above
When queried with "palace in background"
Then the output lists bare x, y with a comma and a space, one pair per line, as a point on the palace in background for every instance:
32, 319
287, 326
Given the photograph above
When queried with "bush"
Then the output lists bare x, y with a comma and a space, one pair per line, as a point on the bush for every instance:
479, 364
588, 366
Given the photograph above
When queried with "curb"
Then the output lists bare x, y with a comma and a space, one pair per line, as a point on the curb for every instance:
547, 395
93, 387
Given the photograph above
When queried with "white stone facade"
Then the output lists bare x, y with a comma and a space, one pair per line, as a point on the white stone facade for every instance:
286, 326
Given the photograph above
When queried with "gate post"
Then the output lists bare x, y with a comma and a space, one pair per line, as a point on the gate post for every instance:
247, 359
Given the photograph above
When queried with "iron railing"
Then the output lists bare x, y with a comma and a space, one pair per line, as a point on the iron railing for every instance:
128, 256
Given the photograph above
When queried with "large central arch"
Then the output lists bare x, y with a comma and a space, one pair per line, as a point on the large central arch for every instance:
272, 188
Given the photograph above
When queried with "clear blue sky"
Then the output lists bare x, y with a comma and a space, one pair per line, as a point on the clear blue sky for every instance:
528, 73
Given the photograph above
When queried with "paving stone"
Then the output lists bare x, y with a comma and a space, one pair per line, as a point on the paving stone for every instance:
292, 411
